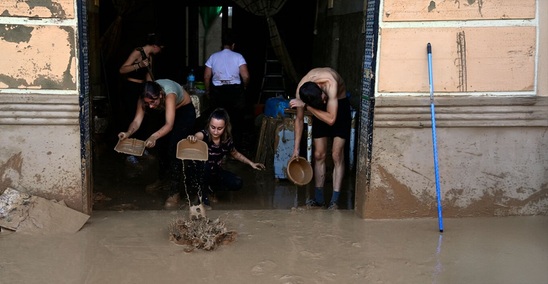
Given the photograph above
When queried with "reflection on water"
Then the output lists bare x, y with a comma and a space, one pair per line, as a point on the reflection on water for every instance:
438, 269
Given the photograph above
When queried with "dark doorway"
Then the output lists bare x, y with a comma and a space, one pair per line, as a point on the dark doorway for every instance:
119, 183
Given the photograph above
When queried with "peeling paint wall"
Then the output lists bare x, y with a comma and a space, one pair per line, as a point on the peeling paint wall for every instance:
39, 101
491, 102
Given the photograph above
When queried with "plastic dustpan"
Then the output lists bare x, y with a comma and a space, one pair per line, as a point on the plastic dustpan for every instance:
130, 146
192, 151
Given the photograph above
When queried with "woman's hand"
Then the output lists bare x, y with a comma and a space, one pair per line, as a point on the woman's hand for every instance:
151, 141
123, 135
144, 63
257, 166
192, 138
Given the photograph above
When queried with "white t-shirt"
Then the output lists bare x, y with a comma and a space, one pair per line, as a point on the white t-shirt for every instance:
225, 66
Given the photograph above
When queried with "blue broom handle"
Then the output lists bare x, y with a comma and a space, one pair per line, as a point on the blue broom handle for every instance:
434, 144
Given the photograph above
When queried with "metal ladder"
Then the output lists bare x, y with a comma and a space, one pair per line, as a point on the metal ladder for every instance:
273, 84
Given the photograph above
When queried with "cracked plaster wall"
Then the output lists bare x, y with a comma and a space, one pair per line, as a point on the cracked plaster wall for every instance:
491, 102
39, 101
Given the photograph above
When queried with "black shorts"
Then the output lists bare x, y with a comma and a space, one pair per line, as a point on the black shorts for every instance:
341, 127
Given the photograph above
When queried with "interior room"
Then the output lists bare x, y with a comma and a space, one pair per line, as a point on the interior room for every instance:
191, 34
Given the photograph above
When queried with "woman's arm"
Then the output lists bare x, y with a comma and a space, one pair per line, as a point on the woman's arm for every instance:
240, 157
131, 64
135, 124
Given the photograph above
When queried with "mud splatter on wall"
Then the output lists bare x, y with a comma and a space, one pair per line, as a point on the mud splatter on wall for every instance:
52, 46
10, 171
62, 9
39, 101
404, 10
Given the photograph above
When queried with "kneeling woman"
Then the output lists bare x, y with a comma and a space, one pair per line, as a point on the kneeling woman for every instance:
166, 96
218, 138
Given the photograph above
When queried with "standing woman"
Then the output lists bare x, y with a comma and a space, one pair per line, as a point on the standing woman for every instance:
166, 96
136, 70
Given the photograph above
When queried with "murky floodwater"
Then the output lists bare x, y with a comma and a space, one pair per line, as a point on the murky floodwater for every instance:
284, 246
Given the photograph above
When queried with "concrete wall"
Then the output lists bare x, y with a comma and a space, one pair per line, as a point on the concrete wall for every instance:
39, 101
491, 109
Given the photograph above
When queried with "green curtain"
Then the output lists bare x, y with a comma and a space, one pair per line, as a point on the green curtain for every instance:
209, 14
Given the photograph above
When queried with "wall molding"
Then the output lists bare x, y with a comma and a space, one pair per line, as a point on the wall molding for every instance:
20, 109
414, 112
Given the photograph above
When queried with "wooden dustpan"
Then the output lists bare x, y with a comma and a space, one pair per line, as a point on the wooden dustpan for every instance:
192, 151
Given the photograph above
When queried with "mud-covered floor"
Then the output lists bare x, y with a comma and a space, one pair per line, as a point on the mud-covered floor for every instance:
120, 185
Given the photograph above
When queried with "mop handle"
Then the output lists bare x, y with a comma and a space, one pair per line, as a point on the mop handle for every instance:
430, 79
432, 113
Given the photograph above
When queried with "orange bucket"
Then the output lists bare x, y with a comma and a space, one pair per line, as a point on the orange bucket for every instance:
299, 171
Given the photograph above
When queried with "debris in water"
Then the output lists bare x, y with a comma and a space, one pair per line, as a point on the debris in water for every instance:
200, 232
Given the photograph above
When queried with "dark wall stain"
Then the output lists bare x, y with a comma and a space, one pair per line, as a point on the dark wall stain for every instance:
13, 163
397, 201
432, 6
67, 77
461, 61
55, 8
12, 82
15, 33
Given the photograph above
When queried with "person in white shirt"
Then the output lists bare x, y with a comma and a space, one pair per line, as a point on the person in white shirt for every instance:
226, 78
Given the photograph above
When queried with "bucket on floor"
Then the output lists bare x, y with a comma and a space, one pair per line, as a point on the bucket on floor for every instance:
299, 171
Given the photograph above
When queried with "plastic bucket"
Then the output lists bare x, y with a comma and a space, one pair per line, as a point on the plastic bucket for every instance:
299, 171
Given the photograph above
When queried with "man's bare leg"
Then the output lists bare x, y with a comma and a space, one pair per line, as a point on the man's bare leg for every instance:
320, 148
337, 153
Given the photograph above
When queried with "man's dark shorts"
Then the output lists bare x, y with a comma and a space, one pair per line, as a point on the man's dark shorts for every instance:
341, 127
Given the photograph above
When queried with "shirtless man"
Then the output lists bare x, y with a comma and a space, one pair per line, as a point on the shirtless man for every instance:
322, 92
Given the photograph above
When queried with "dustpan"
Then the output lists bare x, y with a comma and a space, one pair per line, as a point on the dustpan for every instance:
192, 151
130, 146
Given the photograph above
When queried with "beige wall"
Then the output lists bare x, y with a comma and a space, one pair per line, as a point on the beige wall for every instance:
542, 63
491, 108
39, 101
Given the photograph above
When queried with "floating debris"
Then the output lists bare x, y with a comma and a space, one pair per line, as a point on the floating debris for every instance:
199, 232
